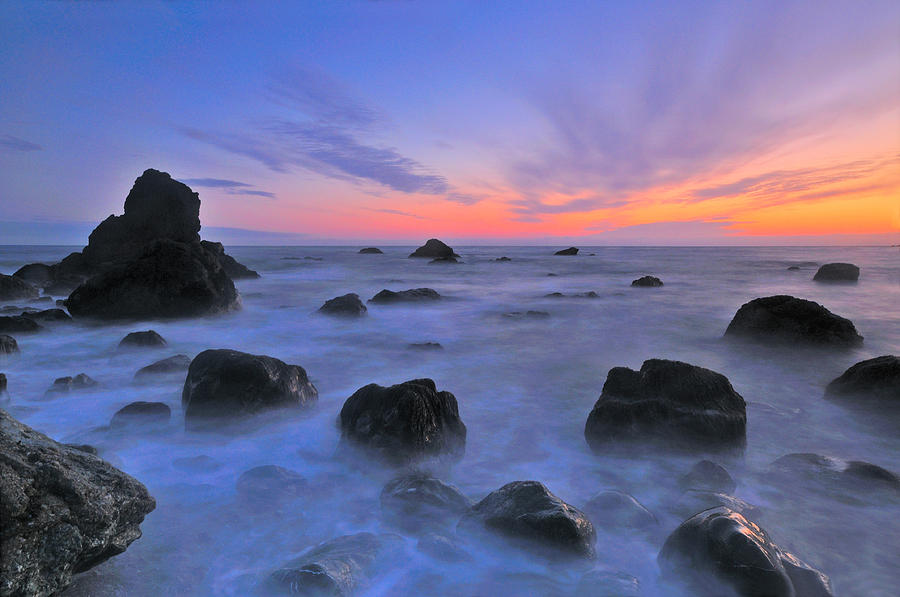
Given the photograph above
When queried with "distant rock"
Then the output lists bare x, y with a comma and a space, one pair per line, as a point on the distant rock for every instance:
719, 547
417, 500
708, 475
347, 305
145, 339
502, 259
440, 260
527, 315
8, 344
52, 315
793, 268
141, 414
64, 385
434, 249
268, 485
426, 346
526, 510
648, 282
13, 288
168, 366
786, 319
554, 295
677, 403
17, 323
226, 384
837, 272
618, 510
413, 295
569, 251
63, 510
873, 383
404, 423
371, 251
234, 269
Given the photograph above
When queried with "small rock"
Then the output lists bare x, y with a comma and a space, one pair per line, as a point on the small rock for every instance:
648, 282
371, 251
17, 323
418, 500
13, 288
426, 346
852, 480
837, 272
413, 295
141, 413
68, 384
693, 501
873, 383
47, 315
569, 251
146, 339
347, 305
502, 259
441, 547
449, 259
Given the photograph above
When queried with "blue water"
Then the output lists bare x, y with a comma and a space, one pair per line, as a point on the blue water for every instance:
524, 386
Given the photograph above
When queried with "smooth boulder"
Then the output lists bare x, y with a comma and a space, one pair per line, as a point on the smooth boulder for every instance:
62, 511
418, 500
348, 305
648, 282
434, 249
413, 295
371, 251
141, 413
569, 251
837, 272
708, 476
144, 339
680, 404
873, 382
13, 288
786, 319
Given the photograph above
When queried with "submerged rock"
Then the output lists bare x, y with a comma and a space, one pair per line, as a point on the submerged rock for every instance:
8, 344
709, 476
504, 258
141, 413
426, 346
269, 484
873, 383
63, 511
234, 269
347, 305
681, 404
434, 249
526, 510
47, 315
648, 281
223, 384
787, 319
569, 251
443, 547
413, 295
418, 500
145, 339
618, 510
4, 396
853, 480
17, 323
608, 583
439, 260
171, 365
404, 423
38, 274
837, 272
13, 288
719, 550
371, 251
64, 385
527, 314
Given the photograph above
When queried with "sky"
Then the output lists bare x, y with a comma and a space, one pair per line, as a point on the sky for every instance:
477, 122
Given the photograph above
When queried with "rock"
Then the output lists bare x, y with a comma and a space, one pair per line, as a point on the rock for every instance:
526, 510
413, 295
709, 476
418, 500
719, 550
347, 305
434, 249
339, 567
141, 413
648, 282
371, 251
837, 272
619, 510
225, 384
852, 480
37, 274
234, 269
608, 583
404, 423
47, 315
426, 346
64, 385
4, 396
554, 295
268, 485
17, 323
440, 260
693, 501
171, 365
62, 511
14, 288
680, 404
502, 259
786, 319
569, 251
794, 268
442, 547
873, 383
145, 339
8, 344
527, 314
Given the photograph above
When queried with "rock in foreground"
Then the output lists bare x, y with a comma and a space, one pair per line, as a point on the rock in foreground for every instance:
62, 511
837, 272
347, 305
413, 295
434, 249
874, 382
786, 319
680, 404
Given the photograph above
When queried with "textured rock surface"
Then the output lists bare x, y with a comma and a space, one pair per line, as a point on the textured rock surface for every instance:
837, 272
434, 249
62, 511
873, 382
348, 305
413, 295
786, 319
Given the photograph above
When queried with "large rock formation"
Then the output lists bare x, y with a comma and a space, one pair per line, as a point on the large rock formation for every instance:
229, 264
681, 404
873, 383
434, 249
13, 288
837, 272
62, 511
786, 319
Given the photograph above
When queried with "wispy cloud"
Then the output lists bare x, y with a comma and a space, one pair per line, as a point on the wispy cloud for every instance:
534, 206
232, 187
17, 144
395, 212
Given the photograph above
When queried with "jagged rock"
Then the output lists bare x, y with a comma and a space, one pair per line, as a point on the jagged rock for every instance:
141, 413
413, 295
837, 272
418, 500
268, 485
569, 251
371, 251
347, 305
719, 550
234, 269
17, 323
64, 385
434, 249
14, 288
47, 315
171, 365
648, 282
224, 384
709, 476
680, 404
404, 423
873, 383
526, 510
144, 339
786, 319
62, 511
8, 344
608, 583
617, 510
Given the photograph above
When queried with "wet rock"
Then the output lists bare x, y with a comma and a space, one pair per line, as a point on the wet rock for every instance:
13, 288
693, 501
648, 281
526, 510
17, 323
51, 315
439, 260
339, 567
426, 346
64, 385
172, 365
145, 339
837, 272
404, 423
569, 251
141, 413
418, 500
608, 583
619, 510
8, 344
413, 295
849, 480
63, 511
347, 305
786, 319
504, 258
434, 249
709, 476
234, 269
872, 383
680, 404
267, 485
719, 550
371, 251
223, 384
442, 547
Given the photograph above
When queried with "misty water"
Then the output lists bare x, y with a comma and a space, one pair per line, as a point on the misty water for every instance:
524, 386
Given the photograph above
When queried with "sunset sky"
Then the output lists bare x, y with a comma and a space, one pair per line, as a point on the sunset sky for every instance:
511, 122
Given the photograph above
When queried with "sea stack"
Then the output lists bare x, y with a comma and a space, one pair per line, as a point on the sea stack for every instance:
434, 249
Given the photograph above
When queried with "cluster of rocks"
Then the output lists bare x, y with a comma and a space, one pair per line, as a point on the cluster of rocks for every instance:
350, 305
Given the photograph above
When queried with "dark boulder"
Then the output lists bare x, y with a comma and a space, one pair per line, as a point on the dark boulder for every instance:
569, 251
62, 511
141, 413
837, 272
347, 305
526, 510
234, 269
172, 365
648, 282
793, 268
14, 288
418, 500
47, 315
789, 320
618, 510
874, 383
269, 485
371, 251
404, 423
680, 404
8, 344
413, 295
144, 339
225, 384
709, 476
434, 249
608, 583
718, 550
64, 385
17, 323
